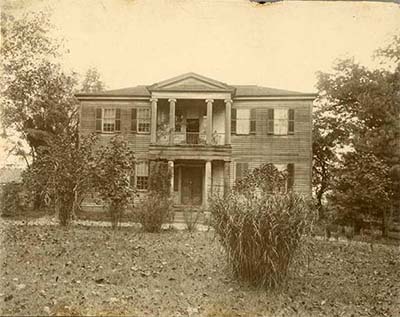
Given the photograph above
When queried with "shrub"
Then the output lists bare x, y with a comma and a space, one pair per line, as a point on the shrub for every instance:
153, 211
155, 207
191, 217
262, 226
261, 235
11, 202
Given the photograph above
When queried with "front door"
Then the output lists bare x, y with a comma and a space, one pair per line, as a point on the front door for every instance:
192, 131
191, 185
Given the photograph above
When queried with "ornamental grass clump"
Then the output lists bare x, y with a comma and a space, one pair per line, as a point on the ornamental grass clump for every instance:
262, 233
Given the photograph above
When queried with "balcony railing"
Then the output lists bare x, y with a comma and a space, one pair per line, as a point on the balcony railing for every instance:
194, 138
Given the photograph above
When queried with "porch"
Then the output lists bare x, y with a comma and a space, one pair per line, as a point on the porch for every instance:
193, 182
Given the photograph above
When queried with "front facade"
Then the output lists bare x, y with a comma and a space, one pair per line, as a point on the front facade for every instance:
209, 132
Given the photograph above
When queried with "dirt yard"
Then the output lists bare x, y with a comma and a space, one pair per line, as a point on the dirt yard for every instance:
47, 270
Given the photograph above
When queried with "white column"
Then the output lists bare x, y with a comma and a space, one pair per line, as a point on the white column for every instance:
228, 107
209, 120
153, 133
171, 170
171, 119
207, 183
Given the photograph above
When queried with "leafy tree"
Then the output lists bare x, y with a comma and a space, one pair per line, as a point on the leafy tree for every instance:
360, 109
92, 81
62, 173
37, 96
110, 173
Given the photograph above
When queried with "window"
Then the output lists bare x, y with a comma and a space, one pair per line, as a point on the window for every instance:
289, 169
242, 121
178, 121
142, 178
280, 121
143, 120
108, 120
241, 170
233, 120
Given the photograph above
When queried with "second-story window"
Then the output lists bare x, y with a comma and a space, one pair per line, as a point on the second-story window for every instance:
108, 120
143, 120
280, 121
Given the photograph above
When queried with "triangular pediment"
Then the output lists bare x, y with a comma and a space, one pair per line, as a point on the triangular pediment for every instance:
190, 82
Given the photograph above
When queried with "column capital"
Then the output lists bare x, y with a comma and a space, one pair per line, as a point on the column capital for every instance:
209, 100
153, 99
171, 100
228, 101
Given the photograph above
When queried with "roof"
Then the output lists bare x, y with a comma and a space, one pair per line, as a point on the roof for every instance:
8, 175
237, 90
254, 90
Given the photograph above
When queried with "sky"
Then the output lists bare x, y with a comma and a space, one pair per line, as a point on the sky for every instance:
281, 45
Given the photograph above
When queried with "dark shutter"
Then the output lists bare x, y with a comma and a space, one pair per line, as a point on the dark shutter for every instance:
290, 180
291, 121
253, 117
270, 121
117, 119
241, 169
233, 120
98, 119
133, 120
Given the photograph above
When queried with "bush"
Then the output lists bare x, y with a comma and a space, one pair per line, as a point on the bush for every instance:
155, 207
154, 210
11, 202
261, 234
191, 217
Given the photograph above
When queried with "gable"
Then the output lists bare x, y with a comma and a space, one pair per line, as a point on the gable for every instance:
190, 82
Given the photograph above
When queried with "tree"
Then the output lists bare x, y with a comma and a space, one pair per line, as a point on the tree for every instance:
37, 96
111, 169
92, 81
62, 173
360, 109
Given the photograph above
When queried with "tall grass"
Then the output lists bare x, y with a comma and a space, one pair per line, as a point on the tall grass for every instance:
262, 234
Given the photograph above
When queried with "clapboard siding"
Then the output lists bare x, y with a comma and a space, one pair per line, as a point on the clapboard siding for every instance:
137, 142
277, 149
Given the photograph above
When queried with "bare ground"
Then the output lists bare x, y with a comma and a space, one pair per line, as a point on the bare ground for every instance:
47, 270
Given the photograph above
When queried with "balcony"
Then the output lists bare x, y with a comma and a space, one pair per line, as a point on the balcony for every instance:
190, 138
190, 145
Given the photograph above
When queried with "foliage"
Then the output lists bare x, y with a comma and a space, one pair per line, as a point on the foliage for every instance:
110, 176
153, 211
191, 217
359, 109
62, 174
11, 200
155, 207
92, 81
266, 178
37, 96
262, 233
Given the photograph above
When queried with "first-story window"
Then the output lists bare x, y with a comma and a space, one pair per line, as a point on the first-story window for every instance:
241, 170
142, 175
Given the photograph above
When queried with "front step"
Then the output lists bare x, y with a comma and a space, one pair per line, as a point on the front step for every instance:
203, 218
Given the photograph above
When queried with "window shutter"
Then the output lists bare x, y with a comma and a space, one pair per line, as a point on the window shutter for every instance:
233, 121
117, 119
98, 119
241, 169
290, 180
291, 121
270, 121
253, 121
134, 120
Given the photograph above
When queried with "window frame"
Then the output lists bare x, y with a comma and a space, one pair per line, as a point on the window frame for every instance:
290, 121
143, 120
144, 162
115, 120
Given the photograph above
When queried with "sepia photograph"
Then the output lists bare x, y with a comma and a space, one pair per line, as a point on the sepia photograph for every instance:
199, 158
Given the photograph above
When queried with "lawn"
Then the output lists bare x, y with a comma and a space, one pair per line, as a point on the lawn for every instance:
48, 270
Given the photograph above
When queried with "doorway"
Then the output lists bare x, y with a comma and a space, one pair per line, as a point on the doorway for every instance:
192, 183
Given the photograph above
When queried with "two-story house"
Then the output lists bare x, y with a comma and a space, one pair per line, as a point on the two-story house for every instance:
209, 132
